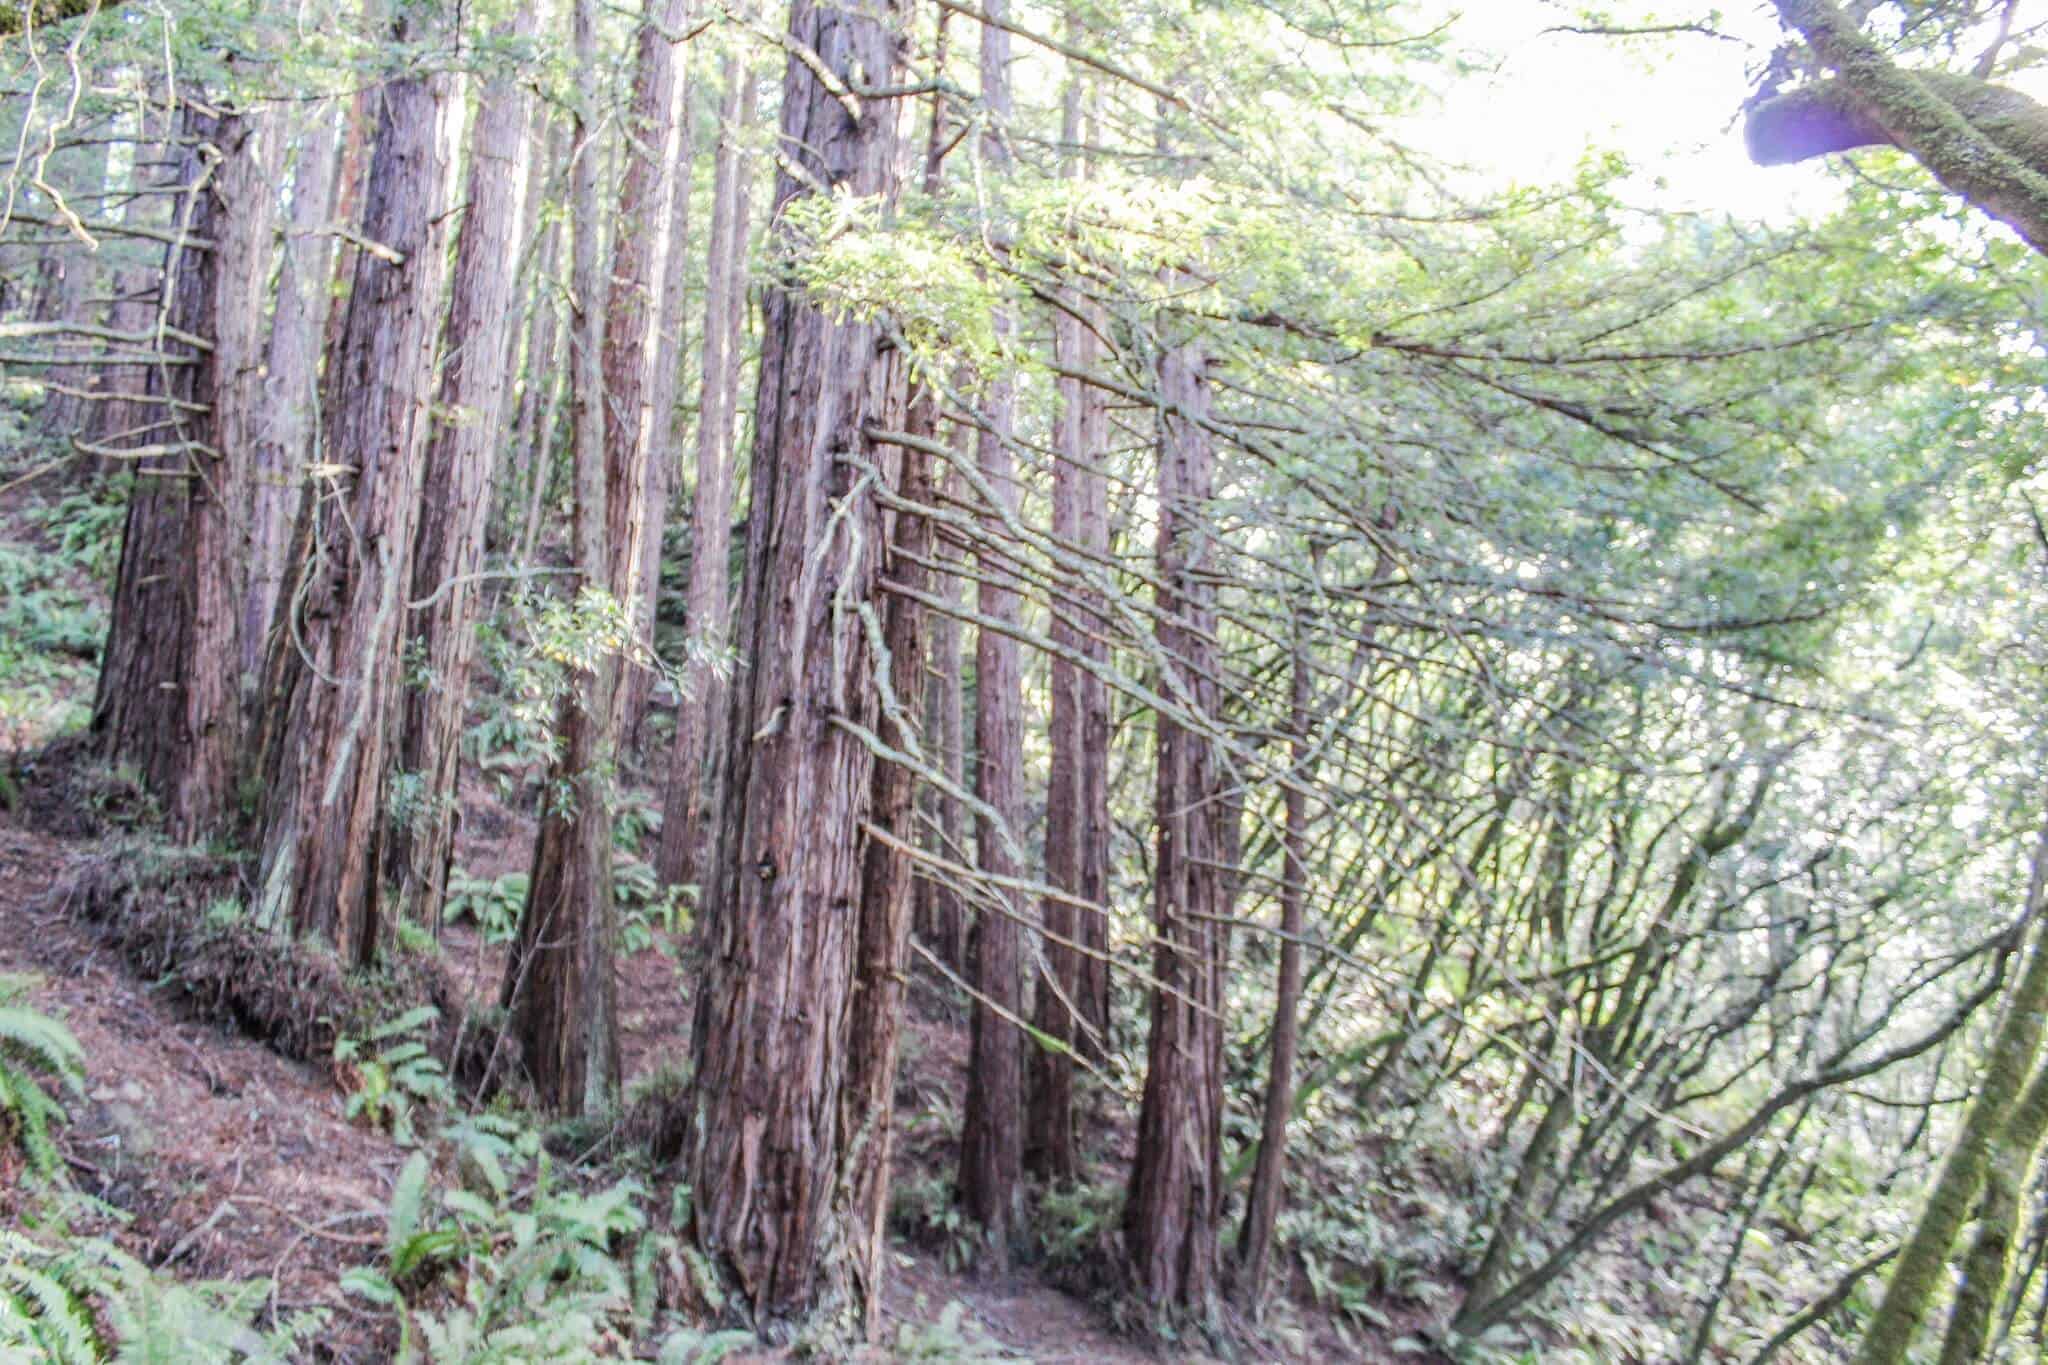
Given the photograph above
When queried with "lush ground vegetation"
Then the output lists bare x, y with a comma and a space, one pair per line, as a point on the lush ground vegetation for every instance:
1024, 643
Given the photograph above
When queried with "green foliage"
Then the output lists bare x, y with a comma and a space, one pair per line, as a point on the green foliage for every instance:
1076, 1225
36, 1051
81, 1301
925, 1208
50, 633
492, 905
390, 1074
952, 1338
509, 1263
84, 527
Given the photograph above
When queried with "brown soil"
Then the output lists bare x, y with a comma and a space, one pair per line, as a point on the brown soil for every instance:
231, 1162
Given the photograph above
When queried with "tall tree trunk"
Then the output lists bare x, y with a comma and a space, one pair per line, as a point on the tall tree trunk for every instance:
168, 700
335, 662
992, 1135
1076, 832
1269, 1179
540, 399
942, 915
530, 288
772, 1170
1171, 1211
559, 981
68, 274
455, 501
868, 1110
702, 703
290, 377
1918, 1273
350, 164
1985, 1267
664, 379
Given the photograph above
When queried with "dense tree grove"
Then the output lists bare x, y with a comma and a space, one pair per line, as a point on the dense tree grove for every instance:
1098, 661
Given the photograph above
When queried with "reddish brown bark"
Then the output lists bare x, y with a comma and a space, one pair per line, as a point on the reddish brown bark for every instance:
648, 267
559, 983
1254, 1249
540, 398
334, 667
992, 1133
168, 698
773, 1170
941, 916
1069, 1010
350, 165
866, 1125
1171, 1211
455, 501
290, 376
702, 703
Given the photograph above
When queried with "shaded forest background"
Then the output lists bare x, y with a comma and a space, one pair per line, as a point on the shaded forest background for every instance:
965, 681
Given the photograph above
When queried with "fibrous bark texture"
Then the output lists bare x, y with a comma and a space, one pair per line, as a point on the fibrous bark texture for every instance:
772, 1167
455, 500
334, 668
559, 983
168, 698
1073, 1004
701, 706
1254, 1250
992, 1132
1171, 1211
290, 377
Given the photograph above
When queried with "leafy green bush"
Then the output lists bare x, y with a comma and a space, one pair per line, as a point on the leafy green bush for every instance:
50, 633
507, 1265
81, 1301
35, 1050
493, 905
85, 526
950, 1339
390, 1074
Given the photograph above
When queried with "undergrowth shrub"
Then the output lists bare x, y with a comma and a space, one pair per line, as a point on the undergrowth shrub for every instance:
83, 1300
509, 1262
389, 1074
492, 904
36, 1052
50, 633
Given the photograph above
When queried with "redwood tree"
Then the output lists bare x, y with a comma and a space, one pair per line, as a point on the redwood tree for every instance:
770, 1166
455, 496
701, 705
992, 1131
1170, 1213
169, 700
559, 981
290, 374
1073, 1004
334, 663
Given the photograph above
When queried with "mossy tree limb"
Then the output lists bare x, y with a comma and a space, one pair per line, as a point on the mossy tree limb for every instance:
1925, 1255
1987, 1263
1979, 140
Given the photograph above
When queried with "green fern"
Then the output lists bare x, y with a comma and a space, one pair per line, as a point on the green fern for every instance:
83, 1301
34, 1049
516, 1267
45, 1304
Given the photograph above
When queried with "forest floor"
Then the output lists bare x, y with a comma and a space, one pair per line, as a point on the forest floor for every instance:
235, 1163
